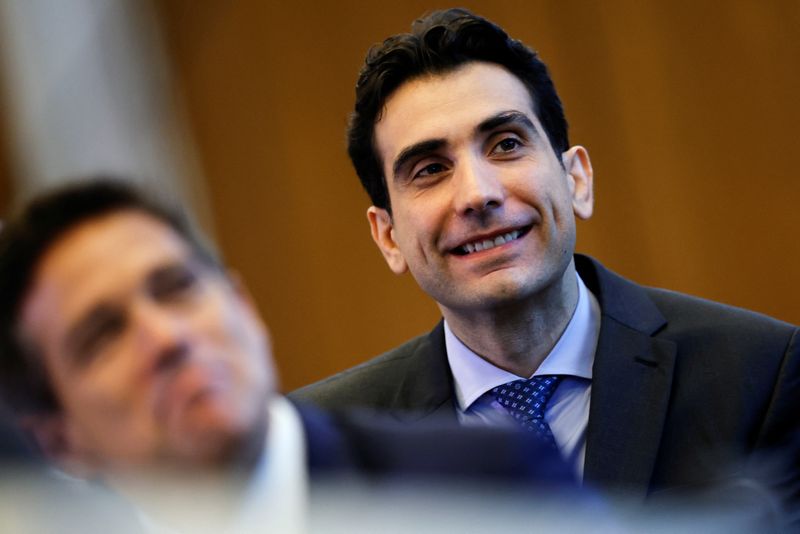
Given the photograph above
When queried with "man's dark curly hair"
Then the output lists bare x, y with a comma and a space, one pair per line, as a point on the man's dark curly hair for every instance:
439, 43
24, 241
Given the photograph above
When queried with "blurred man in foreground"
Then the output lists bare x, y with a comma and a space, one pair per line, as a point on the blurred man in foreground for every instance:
132, 357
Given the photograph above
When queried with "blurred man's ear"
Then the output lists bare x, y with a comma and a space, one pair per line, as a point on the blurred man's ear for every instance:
382, 227
57, 441
247, 301
246, 298
237, 282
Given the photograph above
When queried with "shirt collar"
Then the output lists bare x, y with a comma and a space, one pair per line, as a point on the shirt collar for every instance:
277, 493
572, 355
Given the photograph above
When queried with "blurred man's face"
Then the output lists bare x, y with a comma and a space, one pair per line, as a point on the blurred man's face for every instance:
154, 356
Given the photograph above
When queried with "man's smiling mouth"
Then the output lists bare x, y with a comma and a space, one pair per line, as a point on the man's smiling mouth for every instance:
480, 245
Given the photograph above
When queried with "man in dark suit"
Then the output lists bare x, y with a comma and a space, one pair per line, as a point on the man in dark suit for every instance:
460, 140
132, 357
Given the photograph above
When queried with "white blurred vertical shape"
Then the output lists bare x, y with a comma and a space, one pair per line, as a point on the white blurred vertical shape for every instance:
88, 90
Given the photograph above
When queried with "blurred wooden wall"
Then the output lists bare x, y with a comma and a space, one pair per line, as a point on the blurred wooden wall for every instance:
5, 163
688, 108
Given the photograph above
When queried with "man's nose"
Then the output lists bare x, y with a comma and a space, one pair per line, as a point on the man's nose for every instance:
161, 335
478, 187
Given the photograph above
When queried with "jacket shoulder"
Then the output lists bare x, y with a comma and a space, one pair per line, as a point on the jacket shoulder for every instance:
705, 318
676, 315
372, 384
720, 347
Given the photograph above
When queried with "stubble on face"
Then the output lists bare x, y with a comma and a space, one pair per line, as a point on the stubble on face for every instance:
465, 189
198, 336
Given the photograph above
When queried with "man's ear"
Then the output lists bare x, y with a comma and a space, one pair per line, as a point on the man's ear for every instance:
382, 227
245, 298
58, 443
581, 180
239, 287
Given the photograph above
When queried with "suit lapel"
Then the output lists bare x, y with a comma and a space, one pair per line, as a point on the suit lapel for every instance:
632, 377
426, 390
631, 382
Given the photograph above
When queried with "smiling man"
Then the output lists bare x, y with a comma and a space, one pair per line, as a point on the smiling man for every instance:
482, 209
460, 140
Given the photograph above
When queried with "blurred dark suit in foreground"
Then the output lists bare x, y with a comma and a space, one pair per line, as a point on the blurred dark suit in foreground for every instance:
135, 360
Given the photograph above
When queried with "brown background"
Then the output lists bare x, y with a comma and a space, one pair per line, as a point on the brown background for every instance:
689, 110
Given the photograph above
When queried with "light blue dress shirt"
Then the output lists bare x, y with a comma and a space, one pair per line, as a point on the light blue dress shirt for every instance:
572, 357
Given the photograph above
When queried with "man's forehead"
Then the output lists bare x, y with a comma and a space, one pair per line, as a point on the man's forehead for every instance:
106, 240
441, 105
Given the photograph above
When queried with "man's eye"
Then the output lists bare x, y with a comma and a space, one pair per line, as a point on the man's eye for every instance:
99, 332
429, 170
509, 144
173, 282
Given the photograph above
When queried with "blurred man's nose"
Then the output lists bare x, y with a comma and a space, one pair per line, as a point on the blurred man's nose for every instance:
161, 335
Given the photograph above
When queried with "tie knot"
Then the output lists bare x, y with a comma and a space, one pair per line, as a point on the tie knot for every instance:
526, 400
531, 391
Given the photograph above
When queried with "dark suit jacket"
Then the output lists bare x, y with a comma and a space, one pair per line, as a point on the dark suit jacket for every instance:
351, 446
368, 445
684, 390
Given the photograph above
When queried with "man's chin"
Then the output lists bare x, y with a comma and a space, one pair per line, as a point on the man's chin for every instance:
497, 291
217, 441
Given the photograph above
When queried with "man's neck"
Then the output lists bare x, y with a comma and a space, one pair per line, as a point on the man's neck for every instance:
518, 337
184, 495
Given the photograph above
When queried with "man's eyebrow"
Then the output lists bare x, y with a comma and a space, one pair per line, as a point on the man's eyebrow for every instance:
431, 145
417, 149
504, 118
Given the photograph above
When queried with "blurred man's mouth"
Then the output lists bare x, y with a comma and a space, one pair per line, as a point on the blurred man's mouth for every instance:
188, 389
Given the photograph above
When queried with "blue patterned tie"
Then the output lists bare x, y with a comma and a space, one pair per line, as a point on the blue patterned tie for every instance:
526, 401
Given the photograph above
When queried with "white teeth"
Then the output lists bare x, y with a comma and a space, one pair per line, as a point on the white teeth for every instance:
486, 244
